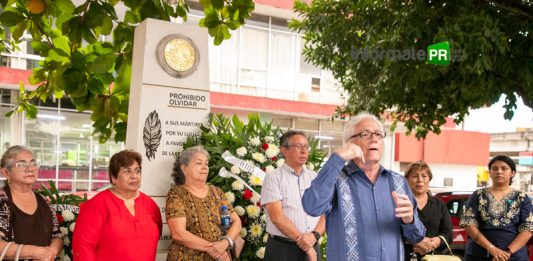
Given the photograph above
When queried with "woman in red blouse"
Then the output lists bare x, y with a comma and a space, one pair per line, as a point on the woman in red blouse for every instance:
120, 223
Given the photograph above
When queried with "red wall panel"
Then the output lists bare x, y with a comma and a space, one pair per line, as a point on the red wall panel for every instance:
449, 147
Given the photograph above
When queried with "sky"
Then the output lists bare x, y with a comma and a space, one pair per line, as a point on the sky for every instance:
490, 120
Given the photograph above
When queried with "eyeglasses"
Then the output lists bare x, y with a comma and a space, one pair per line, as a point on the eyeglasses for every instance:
129, 172
365, 135
300, 147
24, 164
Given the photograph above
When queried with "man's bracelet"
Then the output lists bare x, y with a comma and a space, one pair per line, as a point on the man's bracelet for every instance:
230, 241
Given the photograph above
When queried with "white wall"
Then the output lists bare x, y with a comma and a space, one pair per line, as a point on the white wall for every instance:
464, 176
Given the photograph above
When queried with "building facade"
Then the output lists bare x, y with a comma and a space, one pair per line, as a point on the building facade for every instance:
260, 69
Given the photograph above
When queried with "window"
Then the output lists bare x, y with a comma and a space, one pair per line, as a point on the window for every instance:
283, 62
253, 57
315, 84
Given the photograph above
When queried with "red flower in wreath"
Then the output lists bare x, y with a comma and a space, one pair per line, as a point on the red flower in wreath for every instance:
274, 158
60, 218
247, 194
265, 146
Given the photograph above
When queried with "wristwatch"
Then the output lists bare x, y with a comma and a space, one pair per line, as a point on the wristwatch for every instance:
317, 236
508, 250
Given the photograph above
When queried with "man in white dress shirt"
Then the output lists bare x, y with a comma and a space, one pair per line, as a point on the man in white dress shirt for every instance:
294, 235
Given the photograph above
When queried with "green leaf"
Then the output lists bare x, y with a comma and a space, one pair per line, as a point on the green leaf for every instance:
131, 18
66, 6
73, 30
96, 87
73, 80
77, 60
217, 4
40, 47
88, 34
205, 3
19, 30
11, 18
61, 43
9, 113
57, 55
101, 64
107, 26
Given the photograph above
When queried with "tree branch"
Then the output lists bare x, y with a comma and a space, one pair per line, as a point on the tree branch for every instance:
513, 7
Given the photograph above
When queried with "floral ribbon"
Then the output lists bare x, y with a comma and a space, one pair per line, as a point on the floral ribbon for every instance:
243, 165
61, 207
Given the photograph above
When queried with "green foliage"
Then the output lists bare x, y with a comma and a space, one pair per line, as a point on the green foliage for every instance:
58, 198
243, 141
495, 37
66, 207
95, 74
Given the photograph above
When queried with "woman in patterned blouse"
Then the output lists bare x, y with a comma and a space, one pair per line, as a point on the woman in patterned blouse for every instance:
193, 212
28, 225
498, 219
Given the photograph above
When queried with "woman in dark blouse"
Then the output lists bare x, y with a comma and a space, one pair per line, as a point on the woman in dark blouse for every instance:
431, 211
498, 219
28, 226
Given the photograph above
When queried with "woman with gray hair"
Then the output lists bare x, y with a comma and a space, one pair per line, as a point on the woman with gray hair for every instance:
193, 211
28, 225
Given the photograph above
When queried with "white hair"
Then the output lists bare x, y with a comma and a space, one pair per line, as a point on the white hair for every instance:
362, 116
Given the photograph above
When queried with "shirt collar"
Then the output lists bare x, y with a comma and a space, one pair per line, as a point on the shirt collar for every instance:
288, 168
352, 168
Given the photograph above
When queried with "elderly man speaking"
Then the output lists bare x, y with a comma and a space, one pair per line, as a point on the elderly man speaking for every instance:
369, 209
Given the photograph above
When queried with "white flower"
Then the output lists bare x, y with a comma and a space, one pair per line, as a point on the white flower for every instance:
255, 141
253, 211
256, 230
240, 210
235, 170
280, 162
269, 168
272, 151
242, 151
237, 185
64, 231
310, 166
66, 241
255, 180
259, 157
260, 252
264, 217
71, 228
66, 258
230, 196
251, 162
255, 198
269, 139
243, 232
265, 237
67, 215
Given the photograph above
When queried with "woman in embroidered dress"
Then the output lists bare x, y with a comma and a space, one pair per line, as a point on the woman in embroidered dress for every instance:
498, 219
193, 211
28, 226
432, 212
120, 223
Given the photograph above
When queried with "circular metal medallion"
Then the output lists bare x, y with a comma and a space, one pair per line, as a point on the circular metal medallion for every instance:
178, 55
